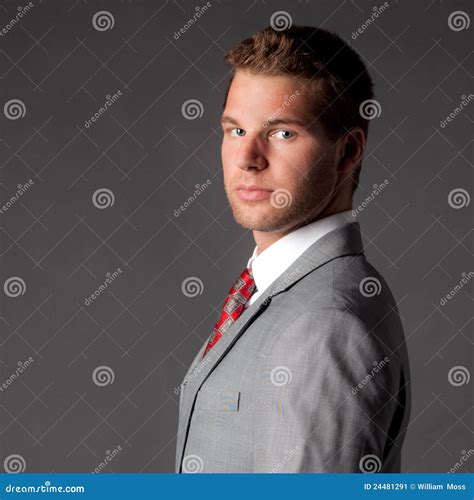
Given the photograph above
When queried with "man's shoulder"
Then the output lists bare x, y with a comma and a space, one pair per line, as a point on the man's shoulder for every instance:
349, 284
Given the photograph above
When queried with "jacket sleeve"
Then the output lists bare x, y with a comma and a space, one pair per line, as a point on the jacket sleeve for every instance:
331, 396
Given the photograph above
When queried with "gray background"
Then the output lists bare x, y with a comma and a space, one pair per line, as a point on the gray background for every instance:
151, 157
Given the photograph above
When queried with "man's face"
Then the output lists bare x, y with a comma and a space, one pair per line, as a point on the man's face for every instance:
272, 140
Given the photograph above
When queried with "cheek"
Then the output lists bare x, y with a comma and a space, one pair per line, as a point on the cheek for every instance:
226, 152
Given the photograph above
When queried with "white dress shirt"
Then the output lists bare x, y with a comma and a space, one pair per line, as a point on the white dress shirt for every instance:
274, 260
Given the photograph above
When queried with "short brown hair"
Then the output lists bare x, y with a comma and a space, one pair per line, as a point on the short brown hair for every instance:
336, 73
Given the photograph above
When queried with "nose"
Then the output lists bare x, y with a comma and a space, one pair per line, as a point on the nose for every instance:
250, 154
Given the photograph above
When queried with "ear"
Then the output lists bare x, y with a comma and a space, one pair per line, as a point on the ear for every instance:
351, 151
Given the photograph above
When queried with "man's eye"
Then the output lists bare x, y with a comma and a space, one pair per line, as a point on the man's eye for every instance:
284, 134
237, 132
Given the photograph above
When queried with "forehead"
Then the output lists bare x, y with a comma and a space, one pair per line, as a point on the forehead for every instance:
255, 95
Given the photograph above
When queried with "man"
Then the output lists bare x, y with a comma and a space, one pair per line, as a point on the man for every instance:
306, 369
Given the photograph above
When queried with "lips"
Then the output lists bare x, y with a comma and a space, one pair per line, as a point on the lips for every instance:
253, 192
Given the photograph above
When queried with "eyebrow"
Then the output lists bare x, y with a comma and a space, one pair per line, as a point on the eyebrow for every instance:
274, 121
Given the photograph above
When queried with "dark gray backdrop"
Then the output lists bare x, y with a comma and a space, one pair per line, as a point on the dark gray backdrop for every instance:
91, 383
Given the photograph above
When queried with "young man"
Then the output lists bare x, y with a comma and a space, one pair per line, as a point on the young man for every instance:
306, 369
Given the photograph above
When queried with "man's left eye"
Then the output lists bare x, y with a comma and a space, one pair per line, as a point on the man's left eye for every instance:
284, 134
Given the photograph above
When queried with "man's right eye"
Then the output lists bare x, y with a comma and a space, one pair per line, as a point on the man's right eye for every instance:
237, 132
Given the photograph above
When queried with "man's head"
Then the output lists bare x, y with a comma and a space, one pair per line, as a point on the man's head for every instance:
292, 125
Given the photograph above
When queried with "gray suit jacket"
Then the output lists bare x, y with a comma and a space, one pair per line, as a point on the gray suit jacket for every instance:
313, 376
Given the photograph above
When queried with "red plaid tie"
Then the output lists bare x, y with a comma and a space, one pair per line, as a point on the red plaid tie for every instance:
233, 306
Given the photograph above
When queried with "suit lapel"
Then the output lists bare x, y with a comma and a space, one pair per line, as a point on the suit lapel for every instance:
345, 240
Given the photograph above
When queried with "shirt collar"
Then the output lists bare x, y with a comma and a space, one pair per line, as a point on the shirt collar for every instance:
269, 264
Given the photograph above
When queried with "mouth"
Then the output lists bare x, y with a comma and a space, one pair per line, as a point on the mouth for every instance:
253, 193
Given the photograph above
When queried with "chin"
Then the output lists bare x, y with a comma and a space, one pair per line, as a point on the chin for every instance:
251, 218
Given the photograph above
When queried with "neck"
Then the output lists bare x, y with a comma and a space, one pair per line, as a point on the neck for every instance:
264, 239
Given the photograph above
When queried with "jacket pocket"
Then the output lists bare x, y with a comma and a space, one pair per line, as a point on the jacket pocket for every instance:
222, 401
